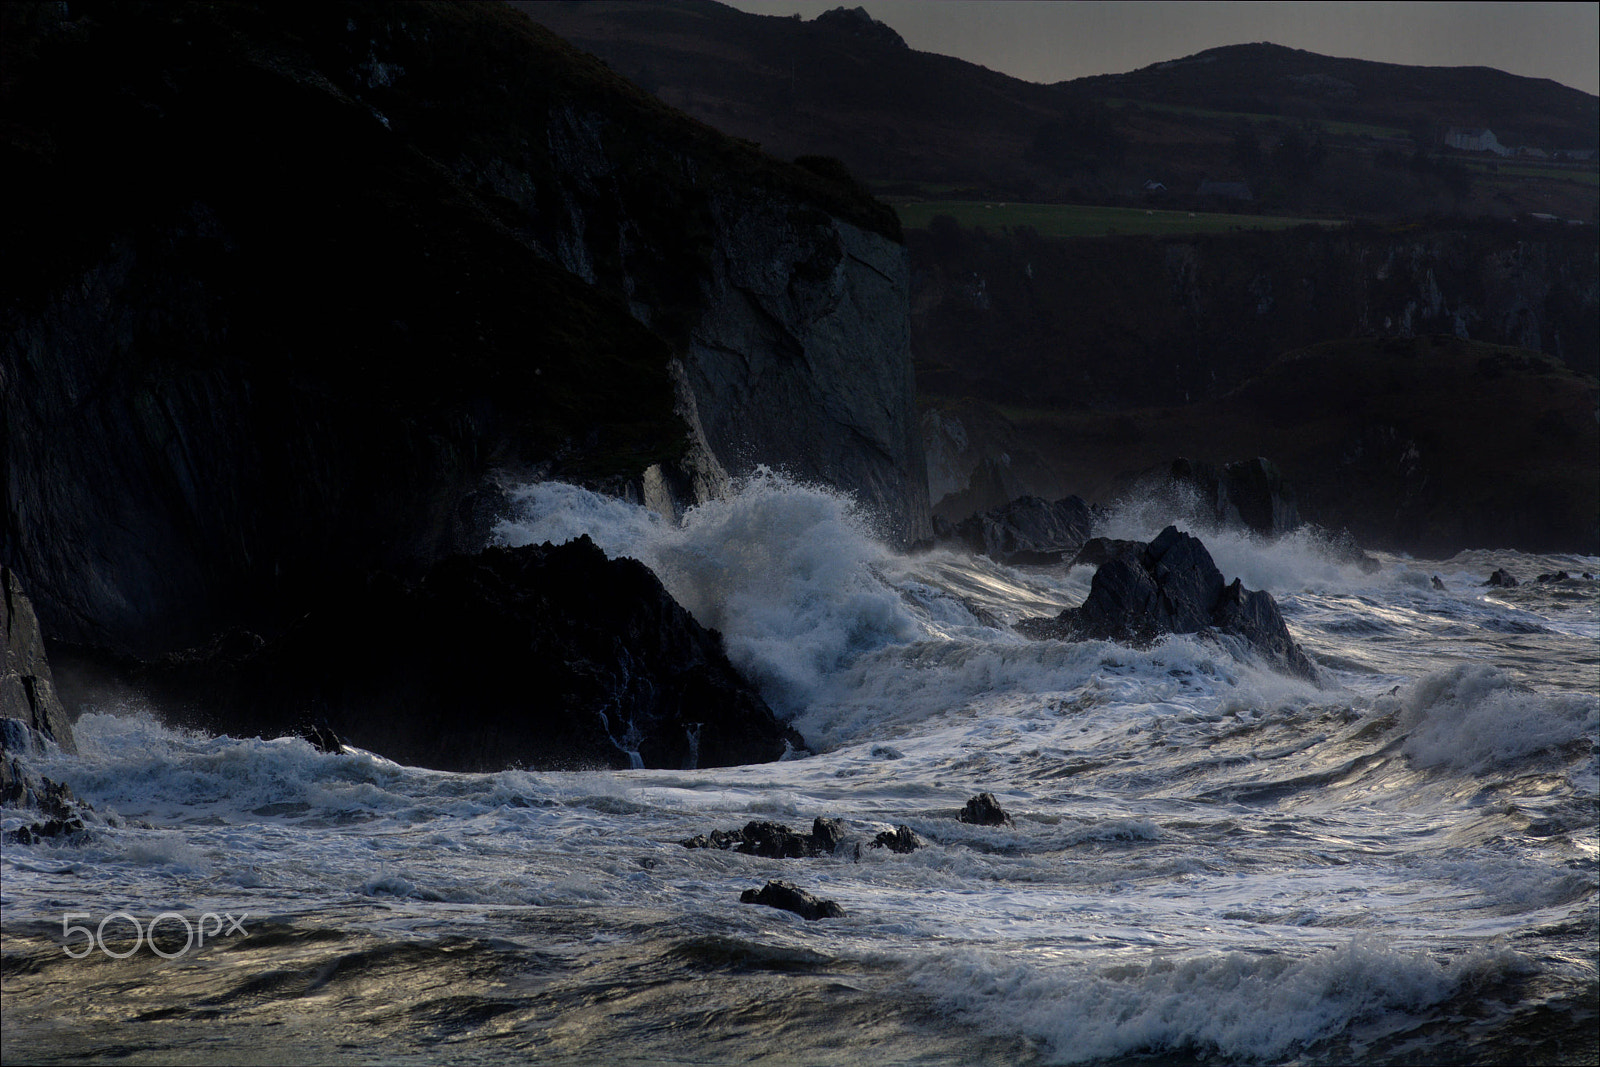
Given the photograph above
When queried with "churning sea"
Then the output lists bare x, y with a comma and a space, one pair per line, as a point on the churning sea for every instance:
1208, 862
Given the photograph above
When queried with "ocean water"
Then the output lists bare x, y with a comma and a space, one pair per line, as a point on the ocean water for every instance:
1208, 862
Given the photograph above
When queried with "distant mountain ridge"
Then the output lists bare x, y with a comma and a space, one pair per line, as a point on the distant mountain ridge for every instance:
924, 125
1268, 78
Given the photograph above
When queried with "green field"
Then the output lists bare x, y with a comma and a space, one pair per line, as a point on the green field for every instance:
1070, 220
1583, 176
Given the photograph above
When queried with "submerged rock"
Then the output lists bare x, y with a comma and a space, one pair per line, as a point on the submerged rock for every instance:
542, 656
1173, 587
790, 897
1027, 530
985, 810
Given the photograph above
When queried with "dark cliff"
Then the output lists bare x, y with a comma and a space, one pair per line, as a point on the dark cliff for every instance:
283, 286
1025, 320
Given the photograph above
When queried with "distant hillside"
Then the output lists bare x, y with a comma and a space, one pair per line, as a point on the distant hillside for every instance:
1269, 79
1299, 131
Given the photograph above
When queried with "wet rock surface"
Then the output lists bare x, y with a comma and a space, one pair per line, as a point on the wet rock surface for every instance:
984, 810
790, 897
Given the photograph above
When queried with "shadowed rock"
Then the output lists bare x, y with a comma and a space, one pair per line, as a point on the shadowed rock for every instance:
544, 656
1098, 551
1173, 587
1027, 530
1503, 579
790, 897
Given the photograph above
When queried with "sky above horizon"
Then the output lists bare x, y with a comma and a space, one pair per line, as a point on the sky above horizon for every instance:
1053, 41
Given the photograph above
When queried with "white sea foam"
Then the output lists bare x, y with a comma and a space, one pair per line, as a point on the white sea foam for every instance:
1474, 717
1237, 1005
787, 572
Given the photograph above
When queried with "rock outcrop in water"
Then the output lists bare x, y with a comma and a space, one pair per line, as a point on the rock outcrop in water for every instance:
355, 261
984, 810
1174, 587
790, 897
775, 840
542, 657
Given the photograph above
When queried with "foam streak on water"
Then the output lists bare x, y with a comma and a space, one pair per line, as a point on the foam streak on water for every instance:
1208, 859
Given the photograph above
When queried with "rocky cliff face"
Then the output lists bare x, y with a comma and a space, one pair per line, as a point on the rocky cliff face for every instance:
354, 261
1123, 321
791, 322
27, 689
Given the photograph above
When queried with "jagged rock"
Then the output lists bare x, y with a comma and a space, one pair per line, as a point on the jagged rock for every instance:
322, 737
1100, 550
1554, 576
790, 897
1028, 530
27, 689
1503, 579
1437, 583
856, 22
901, 839
1173, 587
541, 656
775, 840
985, 810
63, 812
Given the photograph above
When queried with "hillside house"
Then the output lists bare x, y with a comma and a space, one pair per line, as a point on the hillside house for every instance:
1474, 139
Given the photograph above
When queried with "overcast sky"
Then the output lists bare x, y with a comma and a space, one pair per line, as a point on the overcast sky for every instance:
1052, 41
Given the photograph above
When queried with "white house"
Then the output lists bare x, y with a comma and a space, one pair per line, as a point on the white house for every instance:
1474, 139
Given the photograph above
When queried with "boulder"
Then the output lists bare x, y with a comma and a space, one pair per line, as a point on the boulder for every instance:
790, 897
1028, 530
1503, 579
543, 656
27, 689
1173, 587
984, 810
